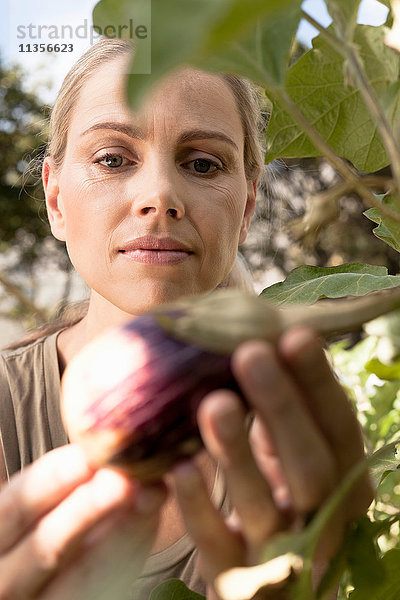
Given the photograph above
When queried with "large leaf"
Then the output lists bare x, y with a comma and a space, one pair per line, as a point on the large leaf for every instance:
388, 230
390, 586
308, 284
316, 84
117, 15
174, 589
390, 99
261, 55
209, 35
178, 28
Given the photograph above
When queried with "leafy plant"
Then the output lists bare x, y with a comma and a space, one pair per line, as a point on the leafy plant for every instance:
339, 100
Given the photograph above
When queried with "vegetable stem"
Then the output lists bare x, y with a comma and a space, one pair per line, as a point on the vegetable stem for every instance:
331, 317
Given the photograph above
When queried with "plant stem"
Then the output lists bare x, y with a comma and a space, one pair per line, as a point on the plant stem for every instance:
350, 54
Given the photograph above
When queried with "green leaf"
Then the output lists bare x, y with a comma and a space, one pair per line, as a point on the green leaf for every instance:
390, 586
359, 554
388, 372
388, 461
109, 13
313, 532
366, 569
174, 589
316, 84
262, 55
390, 100
247, 38
292, 546
240, 15
307, 284
388, 230
178, 28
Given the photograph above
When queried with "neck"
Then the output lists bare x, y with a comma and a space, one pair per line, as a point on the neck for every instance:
101, 315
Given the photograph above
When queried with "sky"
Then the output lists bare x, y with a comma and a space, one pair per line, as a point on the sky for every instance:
45, 73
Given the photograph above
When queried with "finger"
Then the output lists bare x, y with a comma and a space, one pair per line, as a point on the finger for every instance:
59, 534
303, 353
113, 555
306, 457
269, 464
38, 489
221, 418
219, 548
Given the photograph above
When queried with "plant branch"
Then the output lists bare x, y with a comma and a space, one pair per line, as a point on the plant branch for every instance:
378, 114
346, 171
17, 293
322, 208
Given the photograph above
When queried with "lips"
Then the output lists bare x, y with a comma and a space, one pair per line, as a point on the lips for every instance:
156, 251
150, 242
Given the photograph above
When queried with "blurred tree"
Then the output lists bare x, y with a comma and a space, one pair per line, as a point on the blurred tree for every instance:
23, 133
279, 239
24, 230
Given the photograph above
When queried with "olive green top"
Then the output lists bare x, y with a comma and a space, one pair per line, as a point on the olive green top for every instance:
31, 425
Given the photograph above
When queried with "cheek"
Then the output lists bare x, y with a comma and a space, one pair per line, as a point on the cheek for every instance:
222, 212
90, 207
219, 216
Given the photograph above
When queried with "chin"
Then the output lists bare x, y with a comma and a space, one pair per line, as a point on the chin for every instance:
147, 297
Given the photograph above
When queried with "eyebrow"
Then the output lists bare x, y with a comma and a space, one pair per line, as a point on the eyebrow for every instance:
186, 136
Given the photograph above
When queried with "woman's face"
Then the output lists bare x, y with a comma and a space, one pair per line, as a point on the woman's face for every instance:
174, 170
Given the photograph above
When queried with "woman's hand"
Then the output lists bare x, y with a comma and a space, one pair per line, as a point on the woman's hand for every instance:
303, 440
69, 532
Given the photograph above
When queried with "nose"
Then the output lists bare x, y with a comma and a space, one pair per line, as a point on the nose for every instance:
159, 192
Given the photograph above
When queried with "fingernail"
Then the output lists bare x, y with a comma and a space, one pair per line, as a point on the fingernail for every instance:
148, 500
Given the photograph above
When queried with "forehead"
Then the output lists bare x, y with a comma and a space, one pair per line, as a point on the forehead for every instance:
185, 97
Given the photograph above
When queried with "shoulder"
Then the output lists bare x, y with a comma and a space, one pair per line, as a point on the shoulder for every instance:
27, 355
29, 399
20, 369
27, 371
16, 350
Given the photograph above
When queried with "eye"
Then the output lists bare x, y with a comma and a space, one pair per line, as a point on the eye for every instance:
114, 161
202, 165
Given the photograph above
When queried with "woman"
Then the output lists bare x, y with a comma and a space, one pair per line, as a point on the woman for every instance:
153, 206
